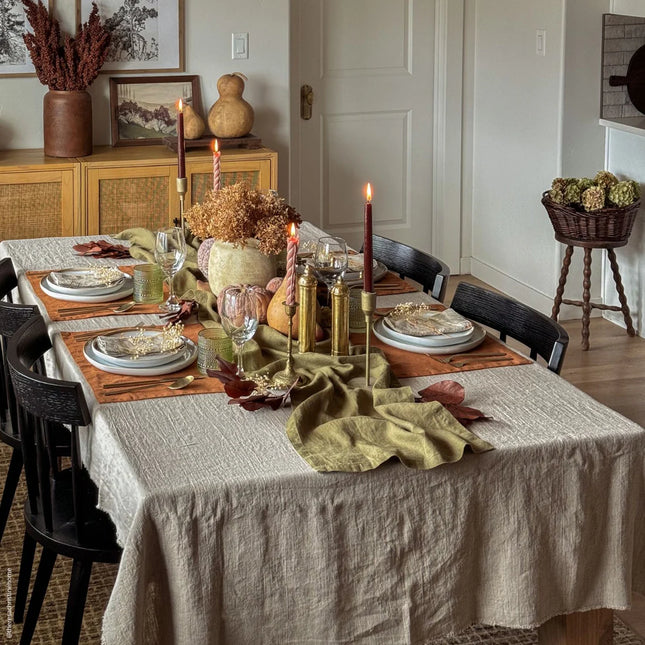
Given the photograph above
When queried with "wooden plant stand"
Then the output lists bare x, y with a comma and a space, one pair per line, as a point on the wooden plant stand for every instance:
586, 303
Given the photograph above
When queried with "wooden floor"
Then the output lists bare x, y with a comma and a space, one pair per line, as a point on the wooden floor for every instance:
612, 371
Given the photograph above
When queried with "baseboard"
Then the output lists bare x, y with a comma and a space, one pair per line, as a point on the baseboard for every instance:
521, 291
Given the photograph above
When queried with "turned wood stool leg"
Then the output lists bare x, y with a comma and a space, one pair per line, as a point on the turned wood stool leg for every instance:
586, 298
621, 292
566, 263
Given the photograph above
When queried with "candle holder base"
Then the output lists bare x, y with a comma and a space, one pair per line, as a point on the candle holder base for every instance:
368, 305
285, 378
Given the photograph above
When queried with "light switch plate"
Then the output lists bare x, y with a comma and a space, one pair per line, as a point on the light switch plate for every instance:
540, 42
240, 45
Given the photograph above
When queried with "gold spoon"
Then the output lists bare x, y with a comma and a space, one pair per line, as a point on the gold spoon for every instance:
179, 384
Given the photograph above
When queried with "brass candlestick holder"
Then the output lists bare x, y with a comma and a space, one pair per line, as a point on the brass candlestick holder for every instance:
368, 305
182, 187
288, 375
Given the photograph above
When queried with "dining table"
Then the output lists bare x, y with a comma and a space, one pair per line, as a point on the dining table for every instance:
230, 537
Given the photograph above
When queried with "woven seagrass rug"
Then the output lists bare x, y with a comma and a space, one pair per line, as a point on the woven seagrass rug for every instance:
50, 624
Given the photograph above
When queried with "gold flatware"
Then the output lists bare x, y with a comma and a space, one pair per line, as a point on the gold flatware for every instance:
91, 309
176, 384
84, 336
153, 381
469, 356
464, 362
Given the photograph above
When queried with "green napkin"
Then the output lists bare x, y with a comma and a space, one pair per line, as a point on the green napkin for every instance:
142, 244
338, 424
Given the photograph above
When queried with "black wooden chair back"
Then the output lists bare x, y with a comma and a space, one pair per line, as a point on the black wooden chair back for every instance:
542, 335
411, 263
12, 317
43, 402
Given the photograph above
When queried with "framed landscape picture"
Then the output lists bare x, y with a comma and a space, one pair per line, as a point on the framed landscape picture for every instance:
143, 109
146, 35
14, 57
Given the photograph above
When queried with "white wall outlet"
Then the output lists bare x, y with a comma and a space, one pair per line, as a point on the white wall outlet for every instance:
540, 42
240, 45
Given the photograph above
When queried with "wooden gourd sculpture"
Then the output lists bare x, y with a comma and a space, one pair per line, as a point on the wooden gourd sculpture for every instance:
231, 116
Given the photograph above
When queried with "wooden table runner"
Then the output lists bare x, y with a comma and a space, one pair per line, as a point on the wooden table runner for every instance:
54, 304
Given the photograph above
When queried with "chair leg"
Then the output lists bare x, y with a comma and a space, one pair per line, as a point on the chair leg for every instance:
26, 564
47, 561
10, 485
78, 586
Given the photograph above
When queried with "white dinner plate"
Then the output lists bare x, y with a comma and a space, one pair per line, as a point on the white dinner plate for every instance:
183, 360
125, 290
438, 340
147, 360
383, 333
84, 291
379, 272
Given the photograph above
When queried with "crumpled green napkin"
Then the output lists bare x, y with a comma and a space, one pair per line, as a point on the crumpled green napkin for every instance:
338, 424
142, 244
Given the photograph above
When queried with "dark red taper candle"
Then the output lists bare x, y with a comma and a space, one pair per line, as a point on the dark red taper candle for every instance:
368, 282
181, 152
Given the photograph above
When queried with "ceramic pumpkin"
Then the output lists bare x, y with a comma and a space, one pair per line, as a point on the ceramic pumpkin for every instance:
261, 296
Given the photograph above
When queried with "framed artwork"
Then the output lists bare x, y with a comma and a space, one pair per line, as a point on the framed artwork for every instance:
143, 109
14, 57
147, 35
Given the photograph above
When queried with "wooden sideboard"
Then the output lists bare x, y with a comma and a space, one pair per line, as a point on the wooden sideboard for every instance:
113, 188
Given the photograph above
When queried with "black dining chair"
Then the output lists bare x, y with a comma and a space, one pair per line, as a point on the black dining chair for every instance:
542, 335
12, 317
60, 512
411, 263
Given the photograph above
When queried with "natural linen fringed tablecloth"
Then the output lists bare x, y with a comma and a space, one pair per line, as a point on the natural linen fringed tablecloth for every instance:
338, 424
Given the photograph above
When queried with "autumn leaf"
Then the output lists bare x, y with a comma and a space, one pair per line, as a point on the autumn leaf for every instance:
450, 394
186, 309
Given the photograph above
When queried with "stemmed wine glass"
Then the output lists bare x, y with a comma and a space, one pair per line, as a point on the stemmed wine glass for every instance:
170, 253
238, 310
330, 260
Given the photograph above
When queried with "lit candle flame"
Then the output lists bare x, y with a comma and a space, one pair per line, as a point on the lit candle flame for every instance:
369, 192
180, 106
215, 146
292, 229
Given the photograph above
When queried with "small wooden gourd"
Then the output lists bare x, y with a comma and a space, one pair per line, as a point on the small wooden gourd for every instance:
231, 116
194, 125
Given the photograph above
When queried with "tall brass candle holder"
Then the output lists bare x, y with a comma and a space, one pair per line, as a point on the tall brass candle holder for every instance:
368, 305
288, 375
182, 187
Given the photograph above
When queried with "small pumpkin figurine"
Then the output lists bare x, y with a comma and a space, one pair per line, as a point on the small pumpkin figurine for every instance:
261, 296
231, 116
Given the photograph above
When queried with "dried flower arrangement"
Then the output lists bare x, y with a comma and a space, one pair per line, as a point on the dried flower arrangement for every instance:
72, 64
236, 213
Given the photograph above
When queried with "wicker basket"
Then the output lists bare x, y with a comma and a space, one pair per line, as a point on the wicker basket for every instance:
610, 225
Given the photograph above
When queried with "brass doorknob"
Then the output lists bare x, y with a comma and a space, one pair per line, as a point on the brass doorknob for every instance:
306, 101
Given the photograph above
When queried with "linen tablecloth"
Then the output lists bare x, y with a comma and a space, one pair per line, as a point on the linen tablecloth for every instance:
229, 537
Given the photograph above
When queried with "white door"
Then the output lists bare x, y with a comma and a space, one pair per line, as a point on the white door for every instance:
370, 64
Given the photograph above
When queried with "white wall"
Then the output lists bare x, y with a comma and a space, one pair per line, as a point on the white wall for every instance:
532, 118
208, 28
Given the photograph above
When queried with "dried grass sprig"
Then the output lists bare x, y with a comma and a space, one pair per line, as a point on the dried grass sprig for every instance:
72, 64
236, 213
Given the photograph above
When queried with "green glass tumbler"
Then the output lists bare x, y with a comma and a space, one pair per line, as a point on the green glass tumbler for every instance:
148, 283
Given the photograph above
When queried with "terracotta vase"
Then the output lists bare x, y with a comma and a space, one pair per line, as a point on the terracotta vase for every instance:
228, 264
67, 123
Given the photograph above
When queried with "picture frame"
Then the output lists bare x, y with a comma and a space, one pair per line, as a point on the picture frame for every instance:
154, 44
16, 62
142, 108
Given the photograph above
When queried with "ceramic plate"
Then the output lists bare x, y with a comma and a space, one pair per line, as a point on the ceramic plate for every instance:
438, 340
379, 272
183, 360
84, 291
148, 360
122, 292
384, 334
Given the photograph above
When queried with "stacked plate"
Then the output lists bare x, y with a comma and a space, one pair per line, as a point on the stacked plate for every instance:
354, 273
117, 353
424, 331
87, 285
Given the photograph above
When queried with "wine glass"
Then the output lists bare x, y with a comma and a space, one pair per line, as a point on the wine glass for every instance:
170, 253
330, 260
238, 310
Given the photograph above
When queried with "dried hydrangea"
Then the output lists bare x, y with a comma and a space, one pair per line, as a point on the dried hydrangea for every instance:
236, 213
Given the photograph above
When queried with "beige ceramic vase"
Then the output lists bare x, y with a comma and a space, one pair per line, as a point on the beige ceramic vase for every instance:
231, 116
228, 264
